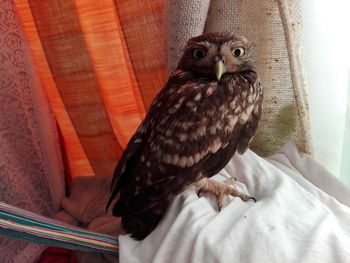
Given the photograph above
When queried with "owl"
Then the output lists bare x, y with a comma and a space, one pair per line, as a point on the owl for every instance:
208, 110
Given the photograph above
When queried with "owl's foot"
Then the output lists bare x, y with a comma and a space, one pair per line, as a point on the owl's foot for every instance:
218, 189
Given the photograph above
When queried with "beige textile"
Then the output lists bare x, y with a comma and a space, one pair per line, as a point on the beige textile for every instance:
275, 28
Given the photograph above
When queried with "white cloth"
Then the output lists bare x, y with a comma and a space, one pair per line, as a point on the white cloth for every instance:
292, 220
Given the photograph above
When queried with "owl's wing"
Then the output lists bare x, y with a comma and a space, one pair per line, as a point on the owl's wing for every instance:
187, 134
248, 132
127, 160
124, 173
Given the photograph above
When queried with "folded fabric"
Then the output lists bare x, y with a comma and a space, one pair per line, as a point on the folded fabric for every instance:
292, 220
302, 214
86, 207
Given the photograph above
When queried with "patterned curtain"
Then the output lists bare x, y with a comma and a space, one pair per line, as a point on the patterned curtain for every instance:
31, 171
101, 64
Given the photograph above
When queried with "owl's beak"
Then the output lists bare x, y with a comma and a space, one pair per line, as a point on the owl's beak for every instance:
219, 69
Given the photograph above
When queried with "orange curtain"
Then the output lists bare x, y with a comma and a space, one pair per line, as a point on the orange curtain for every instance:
101, 64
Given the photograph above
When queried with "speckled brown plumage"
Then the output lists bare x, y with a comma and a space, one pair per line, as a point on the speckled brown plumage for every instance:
208, 110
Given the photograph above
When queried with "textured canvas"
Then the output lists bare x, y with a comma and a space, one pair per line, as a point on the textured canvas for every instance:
275, 28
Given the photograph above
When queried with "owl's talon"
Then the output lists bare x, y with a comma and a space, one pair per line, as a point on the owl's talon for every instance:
230, 181
219, 207
206, 185
246, 198
220, 201
252, 198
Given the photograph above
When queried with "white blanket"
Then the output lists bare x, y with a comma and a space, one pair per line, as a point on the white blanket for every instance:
302, 214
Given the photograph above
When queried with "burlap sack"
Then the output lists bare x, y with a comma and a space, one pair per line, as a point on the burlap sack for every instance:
275, 28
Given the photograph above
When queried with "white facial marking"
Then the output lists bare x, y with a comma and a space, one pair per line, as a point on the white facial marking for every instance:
148, 164
205, 43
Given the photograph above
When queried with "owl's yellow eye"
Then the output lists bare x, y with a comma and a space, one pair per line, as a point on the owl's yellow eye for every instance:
199, 53
237, 52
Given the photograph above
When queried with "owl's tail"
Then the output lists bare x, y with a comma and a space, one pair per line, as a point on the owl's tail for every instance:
142, 224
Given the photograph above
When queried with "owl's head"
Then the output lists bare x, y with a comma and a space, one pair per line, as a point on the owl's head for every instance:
214, 54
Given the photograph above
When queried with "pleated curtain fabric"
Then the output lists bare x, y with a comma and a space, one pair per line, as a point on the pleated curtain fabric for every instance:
101, 64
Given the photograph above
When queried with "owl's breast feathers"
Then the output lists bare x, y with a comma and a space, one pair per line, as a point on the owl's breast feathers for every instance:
193, 128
